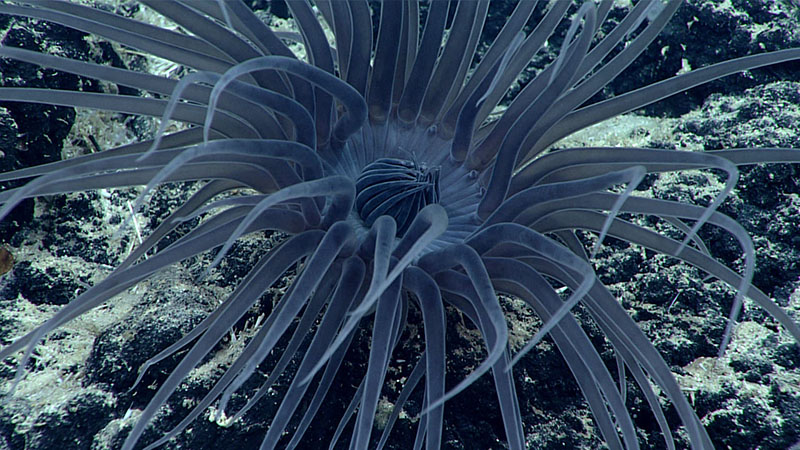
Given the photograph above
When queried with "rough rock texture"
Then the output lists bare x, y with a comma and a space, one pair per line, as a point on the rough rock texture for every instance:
78, 393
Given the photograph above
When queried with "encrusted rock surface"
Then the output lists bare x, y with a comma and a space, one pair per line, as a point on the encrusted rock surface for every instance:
76, 393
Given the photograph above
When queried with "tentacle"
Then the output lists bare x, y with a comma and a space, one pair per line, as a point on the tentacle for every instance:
446, 76
562, 76
532, 44
466, 257
313, 307
526, 283
170, 45
433, 318
354, 103
620, 104
428, 225
623, 332
465, 122
319, 56
503, 47
385, 331
344, 295
603, 75
662, 244
338, 187
458, 292
589, 162
418, 80
379, 95
224, 124
408, 387
267, 272
332, 367
272, 155
541, 245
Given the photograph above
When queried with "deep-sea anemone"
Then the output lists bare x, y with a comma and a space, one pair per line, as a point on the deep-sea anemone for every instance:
400, 196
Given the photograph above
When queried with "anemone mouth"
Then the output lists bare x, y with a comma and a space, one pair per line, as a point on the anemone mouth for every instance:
395, 187
398, 170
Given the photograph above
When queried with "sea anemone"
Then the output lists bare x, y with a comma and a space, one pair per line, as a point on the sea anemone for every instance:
395, 196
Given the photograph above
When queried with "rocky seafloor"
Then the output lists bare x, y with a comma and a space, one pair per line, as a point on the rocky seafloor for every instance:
77, 392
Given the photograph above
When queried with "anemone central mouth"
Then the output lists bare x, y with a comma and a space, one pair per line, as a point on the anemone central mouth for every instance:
397, 188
